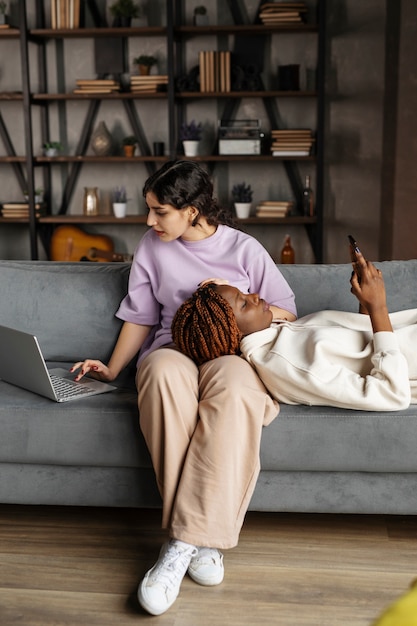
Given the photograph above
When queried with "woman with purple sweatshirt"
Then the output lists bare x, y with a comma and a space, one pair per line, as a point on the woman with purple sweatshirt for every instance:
202, 424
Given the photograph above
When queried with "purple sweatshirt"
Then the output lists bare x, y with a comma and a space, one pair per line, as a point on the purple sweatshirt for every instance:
164, 274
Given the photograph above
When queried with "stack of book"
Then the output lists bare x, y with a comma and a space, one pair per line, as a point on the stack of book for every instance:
65, 14
99, 85
214, 71
291, 142
15, 210
272, 13
273, 208
149, 83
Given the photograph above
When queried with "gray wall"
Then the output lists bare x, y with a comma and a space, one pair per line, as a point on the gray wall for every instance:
369, 184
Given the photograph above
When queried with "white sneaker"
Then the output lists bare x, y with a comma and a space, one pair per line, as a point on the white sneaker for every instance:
161, 585
206, 567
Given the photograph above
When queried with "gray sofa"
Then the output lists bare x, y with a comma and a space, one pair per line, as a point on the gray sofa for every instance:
91, 452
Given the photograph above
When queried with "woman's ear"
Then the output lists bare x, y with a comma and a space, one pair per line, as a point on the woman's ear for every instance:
194, 214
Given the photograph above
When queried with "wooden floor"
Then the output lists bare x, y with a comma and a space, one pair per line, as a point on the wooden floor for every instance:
76, 566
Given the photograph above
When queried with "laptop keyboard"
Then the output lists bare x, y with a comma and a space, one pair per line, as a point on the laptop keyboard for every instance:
66, 389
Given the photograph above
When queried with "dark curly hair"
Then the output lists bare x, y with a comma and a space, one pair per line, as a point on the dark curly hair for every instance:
205, 327
186, 183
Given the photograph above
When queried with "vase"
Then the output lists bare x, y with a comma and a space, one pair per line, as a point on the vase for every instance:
91, 201
119, 209
101, 140
190, 147
243, 209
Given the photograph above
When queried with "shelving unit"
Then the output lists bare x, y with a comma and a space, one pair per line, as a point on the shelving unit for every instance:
177, 36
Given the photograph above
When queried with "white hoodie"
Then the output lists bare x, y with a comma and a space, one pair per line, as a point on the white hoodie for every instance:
333, 358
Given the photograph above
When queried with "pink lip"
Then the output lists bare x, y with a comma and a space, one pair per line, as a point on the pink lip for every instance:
158, 232
266, 306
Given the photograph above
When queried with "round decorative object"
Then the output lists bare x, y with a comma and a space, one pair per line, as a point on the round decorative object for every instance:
101, 140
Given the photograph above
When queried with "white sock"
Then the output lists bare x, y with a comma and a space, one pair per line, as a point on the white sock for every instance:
182, 544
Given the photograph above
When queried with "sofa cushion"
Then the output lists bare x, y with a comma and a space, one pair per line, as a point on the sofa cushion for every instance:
70, 307
319, 287
99, 431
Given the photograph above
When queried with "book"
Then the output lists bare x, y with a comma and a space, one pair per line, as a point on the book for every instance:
214, 68
96, 81
277, 153
92, 91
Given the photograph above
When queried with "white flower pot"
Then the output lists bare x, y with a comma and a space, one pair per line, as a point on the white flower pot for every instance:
119, 209
190, 147
242, 209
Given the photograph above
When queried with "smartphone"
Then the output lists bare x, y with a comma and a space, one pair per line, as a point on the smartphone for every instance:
353, 248
352, 242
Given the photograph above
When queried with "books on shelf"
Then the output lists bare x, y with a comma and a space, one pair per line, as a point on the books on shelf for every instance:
214, 68
274, 208
282, 12
99, 85
296, 142
21, 209
65, 14
149, 83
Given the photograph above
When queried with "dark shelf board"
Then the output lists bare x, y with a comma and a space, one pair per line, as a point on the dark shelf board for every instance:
245, 29
141, 219
245, 157
100, 159
9, 33
11, 95
291, 219
77, 33
97, 219
12, 159
246, 94
122, 95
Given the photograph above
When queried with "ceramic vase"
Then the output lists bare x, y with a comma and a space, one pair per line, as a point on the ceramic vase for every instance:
101, 140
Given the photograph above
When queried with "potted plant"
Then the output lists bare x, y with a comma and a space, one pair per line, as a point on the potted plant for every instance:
123, 11
3, 14
190, 135
200, 16
38, 195
144, 63
242, 195
52, 148
119, 199
129, 145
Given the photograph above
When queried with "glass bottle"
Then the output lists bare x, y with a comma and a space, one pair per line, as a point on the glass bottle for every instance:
90, 202
308, 198
287, 252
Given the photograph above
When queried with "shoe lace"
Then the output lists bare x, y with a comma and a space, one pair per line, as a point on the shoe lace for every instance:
173, 565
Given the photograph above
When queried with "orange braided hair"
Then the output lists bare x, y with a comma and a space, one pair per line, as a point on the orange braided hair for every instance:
205, 327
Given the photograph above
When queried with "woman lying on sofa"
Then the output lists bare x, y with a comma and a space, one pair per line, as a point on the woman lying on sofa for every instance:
333, 358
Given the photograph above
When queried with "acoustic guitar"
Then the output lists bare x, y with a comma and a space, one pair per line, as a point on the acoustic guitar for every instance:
70, 243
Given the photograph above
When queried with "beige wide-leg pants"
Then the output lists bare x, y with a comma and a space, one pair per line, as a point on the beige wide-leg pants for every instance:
203, 428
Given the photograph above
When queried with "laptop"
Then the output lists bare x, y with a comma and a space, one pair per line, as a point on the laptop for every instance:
22, 364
